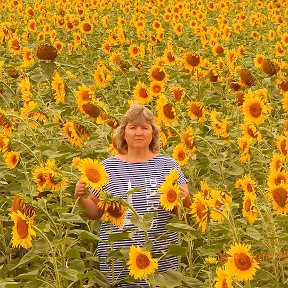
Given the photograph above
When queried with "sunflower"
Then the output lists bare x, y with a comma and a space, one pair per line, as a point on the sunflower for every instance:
275, 178
250, 130
196, 111
217, 49
12, 159
180, 154
142, 94
276, 163
24, 208
40, 178
169, 56
169, 198
14, 45
249, 209
102, 76
219, 201
191, 60
76, 163
187, 138
157, 73
279, 50
156, 88
278, 195
166, 111
241, 263
173, 176
199, 210
86, 27
22, 231
220, 127
285, 101
4, 143
141, 264
58, 86
28, 57
258, 60
25, 88
70, 132
247, 184
245, 145
223, 279
93, 173
84, 94
177, 92
282, 144
254, 110
133, 50
205, 189
114, 212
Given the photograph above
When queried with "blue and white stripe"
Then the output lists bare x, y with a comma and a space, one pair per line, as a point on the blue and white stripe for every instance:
148, 175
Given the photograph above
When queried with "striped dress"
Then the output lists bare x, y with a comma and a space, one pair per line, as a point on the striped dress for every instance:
148, 175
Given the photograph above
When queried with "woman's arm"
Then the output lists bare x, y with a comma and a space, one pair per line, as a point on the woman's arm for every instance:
88, 203
185, 195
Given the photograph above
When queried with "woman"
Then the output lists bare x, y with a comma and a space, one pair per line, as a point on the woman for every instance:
138, 164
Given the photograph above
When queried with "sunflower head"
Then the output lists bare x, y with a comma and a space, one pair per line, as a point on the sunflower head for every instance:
93, 173
169, 198
46, 52
141, 264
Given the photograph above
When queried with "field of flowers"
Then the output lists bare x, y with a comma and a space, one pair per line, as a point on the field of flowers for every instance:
215, 74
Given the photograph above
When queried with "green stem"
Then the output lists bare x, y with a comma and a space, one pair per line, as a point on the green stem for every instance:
54, 262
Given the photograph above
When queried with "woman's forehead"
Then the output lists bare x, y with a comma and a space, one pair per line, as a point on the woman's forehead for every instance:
139, 122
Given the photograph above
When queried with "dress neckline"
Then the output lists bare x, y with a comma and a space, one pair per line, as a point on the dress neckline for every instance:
143, 162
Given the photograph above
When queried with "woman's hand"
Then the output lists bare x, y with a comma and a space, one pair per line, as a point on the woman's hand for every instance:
80, 189
185, 195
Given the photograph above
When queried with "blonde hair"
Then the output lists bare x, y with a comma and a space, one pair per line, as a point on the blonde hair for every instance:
137, 113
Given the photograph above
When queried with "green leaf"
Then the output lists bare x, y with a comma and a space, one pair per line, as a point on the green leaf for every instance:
73, 253
38, 249
175, 250
29, 275
143, 222
191, 282
133, 190
71, 218
85, 235
119, 236
253, 233
170, 279
101, 279
68, 273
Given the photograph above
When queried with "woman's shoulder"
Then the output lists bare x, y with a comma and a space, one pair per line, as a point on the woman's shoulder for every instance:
168, 161
110, 161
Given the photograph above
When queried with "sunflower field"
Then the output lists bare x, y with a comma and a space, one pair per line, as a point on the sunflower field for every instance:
215, 74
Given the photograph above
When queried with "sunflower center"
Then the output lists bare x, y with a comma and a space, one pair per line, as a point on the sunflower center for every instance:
218, 204
247, 205
255, 110
115, 212
22, 228
142, 261
87, 27
177, 94
249, 187
93, 175
168, 112
181, 155
280, 196
193, 60
158, 75
242, 261
224, 284
200, 210
171, 196
279, 179
197, 111
283, 147
143, 93
41, 179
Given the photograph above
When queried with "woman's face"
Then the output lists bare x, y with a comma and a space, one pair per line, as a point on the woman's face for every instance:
138, 135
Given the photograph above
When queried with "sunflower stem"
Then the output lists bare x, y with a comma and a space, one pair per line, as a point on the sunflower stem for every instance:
54, 260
